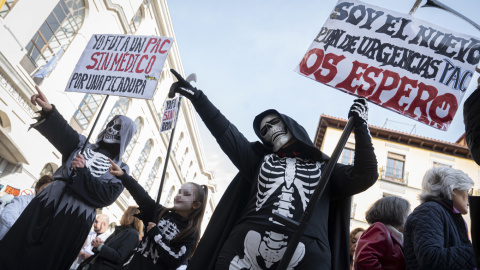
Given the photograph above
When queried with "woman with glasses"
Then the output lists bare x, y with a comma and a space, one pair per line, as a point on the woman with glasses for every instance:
436, 236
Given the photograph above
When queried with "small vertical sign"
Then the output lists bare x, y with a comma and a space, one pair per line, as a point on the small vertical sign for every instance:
169, 114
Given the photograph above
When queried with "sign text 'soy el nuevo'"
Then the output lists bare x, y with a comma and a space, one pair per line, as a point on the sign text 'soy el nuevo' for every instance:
394, 60
121, 65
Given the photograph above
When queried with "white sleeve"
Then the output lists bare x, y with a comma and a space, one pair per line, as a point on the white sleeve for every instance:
13, 210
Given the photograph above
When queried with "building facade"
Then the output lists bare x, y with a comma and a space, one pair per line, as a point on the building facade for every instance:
61, 29
402, 160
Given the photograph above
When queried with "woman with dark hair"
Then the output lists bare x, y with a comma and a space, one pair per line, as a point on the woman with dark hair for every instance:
172, 233
116, 249
381, 245
354, 236
436, 235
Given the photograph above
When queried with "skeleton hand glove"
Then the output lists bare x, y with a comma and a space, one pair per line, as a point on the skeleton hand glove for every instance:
183, 87
359, 112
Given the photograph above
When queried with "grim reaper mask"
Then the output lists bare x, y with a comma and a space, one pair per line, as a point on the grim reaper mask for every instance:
112, 131
274, 132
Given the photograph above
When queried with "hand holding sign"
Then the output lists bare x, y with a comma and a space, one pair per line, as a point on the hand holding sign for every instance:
359, 111
183, 87
41, 100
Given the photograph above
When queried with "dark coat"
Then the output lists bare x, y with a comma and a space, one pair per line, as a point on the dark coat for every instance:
116, 249
436, 238
471, 117
246, 154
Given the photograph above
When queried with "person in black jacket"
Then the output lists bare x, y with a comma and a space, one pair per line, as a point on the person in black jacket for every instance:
172, 233
115, 251
279, 176
471, 117
436, 235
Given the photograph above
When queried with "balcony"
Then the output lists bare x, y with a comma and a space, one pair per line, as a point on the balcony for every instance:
394, 175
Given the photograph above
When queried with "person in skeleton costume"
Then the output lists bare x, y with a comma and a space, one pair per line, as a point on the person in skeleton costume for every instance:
279, 175
51, 231
172, 234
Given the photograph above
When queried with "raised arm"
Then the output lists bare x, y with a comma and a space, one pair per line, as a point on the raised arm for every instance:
240, 151
348, 180
148, 207
53, 126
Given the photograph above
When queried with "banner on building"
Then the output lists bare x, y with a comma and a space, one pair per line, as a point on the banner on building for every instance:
12, 190
169, 114
121, 65
401, 63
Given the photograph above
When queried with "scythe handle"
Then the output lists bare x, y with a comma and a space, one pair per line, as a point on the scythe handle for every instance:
293, 243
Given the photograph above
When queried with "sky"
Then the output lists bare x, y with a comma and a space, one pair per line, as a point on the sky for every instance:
244, 54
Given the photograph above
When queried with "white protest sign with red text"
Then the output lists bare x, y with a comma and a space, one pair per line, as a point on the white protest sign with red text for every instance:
121, 65
169, 114
401, 63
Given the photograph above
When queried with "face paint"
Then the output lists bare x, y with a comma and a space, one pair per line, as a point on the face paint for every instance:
112, 131
274, 132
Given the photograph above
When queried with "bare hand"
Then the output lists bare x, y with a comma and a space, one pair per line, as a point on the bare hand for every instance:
115, 169
78, 162
97, 242
84, 255
150, 225
41, 100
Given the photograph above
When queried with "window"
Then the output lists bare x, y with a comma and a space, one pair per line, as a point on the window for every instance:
133, 141
395, 166
439, 164
47, 170
58, 30
136, 20
9, 4
87, 108
120, 108
347, 156
142, 159
153, 174
170, 196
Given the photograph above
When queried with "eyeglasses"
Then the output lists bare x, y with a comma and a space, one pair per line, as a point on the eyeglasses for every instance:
470, 192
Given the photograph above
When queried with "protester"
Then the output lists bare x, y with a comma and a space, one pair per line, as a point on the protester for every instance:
354, 236
115, 250
471, 117
279, 176
381, 245
100, 230
173, 236
436, 236
13, 210
58, 220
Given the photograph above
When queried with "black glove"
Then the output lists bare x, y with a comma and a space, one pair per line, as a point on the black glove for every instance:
183, 87
359, 112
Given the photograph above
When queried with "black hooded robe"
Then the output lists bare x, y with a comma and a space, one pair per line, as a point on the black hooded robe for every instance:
471, 117
234, 213
43, 239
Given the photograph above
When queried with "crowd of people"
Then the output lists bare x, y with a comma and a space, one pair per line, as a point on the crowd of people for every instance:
277, 174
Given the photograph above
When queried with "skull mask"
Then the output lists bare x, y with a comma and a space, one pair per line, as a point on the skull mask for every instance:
112, 131
274, 132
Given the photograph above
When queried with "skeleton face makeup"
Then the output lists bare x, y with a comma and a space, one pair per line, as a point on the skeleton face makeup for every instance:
274, 132
112, 131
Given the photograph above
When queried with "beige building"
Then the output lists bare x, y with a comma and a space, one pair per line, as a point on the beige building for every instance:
402, 160
27, 47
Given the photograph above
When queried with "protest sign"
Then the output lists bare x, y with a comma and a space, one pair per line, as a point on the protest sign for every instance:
399, 62
169, 114
121, 65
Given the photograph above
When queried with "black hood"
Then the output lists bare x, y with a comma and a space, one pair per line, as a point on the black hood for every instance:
297, 131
